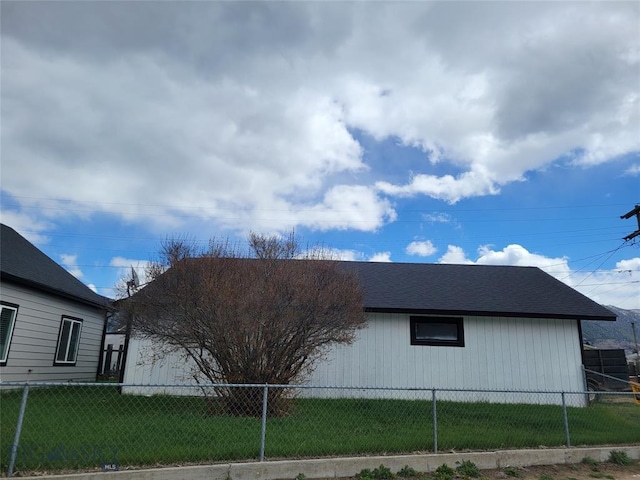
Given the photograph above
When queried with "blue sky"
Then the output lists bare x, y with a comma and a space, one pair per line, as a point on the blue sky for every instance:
473, 132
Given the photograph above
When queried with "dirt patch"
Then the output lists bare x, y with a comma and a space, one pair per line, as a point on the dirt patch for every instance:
581, 471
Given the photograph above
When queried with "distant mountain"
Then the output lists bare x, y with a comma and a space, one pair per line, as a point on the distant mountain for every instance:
618, 334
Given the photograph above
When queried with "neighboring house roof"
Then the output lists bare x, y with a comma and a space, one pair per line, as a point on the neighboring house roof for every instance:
21, 262
486, 290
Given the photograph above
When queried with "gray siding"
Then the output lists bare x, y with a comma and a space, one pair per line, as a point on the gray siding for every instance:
35, 337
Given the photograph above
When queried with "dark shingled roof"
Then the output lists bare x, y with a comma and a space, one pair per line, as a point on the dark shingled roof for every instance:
21, 262
485, 290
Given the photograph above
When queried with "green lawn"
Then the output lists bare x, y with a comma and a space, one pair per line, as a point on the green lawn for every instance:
82, 427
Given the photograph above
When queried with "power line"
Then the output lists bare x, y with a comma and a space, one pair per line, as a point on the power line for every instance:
252, 209
183, 206
602, 263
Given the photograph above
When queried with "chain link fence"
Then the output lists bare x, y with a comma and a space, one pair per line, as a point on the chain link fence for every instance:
55, 427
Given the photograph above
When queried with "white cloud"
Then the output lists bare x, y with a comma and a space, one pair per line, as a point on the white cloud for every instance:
454, 255
239, 149
381, 257
438, 217
619, 287
355, 207
633, 170
248, 122
422, 249
520, 256
70, 262
448, 188
28, 226
345, 255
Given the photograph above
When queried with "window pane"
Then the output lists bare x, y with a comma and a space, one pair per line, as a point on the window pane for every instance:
6, 326
73, 344
64, 341
436, 331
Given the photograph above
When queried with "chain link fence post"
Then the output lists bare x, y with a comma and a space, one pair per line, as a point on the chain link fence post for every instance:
566, 421
435, 420
263, 427
16, 438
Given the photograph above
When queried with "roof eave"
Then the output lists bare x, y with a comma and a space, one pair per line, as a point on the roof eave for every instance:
7, 277
475, 313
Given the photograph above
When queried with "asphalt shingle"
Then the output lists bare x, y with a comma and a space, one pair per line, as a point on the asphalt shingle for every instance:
21, 262
472, 289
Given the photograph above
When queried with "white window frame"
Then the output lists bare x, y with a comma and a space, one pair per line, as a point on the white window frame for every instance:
4, 349
65, 338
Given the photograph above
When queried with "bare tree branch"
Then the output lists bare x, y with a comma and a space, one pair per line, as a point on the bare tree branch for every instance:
259, 319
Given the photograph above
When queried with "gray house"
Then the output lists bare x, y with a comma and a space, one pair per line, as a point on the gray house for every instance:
52, 325
440, 326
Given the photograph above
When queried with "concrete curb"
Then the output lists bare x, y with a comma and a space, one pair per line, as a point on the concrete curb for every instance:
348, 467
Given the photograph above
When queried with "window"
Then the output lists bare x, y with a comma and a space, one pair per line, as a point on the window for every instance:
437, 331
68, 341
7, 321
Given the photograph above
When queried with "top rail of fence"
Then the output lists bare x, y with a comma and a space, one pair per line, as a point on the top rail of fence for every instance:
604, 375
294, 386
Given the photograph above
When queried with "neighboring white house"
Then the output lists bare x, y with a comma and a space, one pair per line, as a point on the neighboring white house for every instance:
440, 326
52, 325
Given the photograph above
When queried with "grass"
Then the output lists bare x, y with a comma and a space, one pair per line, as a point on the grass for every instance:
619, 457
512, 472
83, 427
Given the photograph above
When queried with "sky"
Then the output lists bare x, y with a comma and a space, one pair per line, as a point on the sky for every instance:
444, 132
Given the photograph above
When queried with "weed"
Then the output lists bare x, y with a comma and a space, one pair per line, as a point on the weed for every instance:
365, 474
467, 469
593, 463
445, 472
380, 473
512, 472
546, 477
301, 476
620, 458
408, 472
602, 475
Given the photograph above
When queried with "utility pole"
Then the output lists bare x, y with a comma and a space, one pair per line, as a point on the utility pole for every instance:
636, 212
